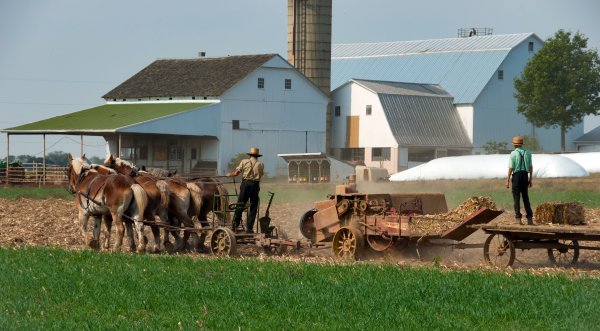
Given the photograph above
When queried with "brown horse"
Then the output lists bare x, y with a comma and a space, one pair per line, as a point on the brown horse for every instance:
184, 200
111, 197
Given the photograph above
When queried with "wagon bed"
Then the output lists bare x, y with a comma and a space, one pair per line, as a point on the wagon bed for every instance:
561, 241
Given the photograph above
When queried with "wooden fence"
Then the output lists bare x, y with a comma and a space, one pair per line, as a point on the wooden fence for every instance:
34, 173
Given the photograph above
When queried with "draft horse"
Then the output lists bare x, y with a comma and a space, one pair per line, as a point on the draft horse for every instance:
106, 196
184, 200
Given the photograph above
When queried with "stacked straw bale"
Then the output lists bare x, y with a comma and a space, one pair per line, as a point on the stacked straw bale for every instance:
421, 225
559, 213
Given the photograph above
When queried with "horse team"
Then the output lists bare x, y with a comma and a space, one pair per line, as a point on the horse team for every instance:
118, 192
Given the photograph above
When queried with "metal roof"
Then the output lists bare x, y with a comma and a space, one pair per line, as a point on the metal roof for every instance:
590, 136
463, 66
420, 114
106, 118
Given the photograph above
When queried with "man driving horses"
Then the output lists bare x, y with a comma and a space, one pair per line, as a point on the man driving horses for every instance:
252, 171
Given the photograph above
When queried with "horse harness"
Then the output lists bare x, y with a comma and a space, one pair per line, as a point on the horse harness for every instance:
90, 197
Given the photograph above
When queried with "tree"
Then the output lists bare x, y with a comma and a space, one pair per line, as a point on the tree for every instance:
494, 147
560, 84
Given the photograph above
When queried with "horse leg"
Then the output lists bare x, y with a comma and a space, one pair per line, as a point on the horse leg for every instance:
119, 232
84, 217
107, 230
96, 232
131, 235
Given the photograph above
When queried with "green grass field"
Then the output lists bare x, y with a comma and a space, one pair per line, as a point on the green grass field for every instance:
50, 289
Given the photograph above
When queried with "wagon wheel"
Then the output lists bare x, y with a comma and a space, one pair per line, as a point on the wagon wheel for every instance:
277, 233
307, 225
348, 243
380, 243
222, 242
564, 256
499, 251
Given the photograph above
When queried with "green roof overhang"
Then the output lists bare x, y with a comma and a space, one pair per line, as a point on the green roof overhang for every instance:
107, 118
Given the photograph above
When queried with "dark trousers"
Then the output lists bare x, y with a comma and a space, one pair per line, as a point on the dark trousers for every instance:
249, 190
520, 187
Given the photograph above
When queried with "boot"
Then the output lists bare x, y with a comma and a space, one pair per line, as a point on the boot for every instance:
529, 221
518, 221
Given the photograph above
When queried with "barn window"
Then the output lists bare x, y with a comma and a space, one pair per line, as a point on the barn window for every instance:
261, 82
530, 47
353, 154
288, 84
194, 154
175, 152
337, 111
500, 74
235, 124
380, 154
369, 110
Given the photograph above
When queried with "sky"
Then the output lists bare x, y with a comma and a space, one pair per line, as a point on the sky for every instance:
61, 56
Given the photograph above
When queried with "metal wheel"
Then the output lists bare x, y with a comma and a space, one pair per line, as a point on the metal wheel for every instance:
277, 233
348, 243
499, 251
379, 243
222, 242
307, 225
566, 255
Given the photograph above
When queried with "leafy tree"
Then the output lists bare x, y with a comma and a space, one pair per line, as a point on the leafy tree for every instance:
560, 84
494, 147
532, 143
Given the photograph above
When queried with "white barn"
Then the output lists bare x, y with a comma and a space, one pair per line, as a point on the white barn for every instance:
386, 124
195, 115
477, 71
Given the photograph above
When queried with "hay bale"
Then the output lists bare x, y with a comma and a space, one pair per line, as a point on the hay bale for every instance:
559, 213
420, 225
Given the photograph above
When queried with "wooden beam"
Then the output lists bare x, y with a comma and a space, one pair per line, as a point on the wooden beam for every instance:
44, 161
7, 154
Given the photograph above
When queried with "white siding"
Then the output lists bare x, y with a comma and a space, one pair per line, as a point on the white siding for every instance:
276, 120
495, 115
466, 116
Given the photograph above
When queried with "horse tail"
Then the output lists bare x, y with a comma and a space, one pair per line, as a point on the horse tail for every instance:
140, 198
164, 193
195, 199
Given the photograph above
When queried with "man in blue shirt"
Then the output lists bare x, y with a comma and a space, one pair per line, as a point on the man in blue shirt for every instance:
521, 169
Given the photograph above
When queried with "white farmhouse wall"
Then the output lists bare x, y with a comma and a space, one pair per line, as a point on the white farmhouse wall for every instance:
495, 117
374, 130
276, 120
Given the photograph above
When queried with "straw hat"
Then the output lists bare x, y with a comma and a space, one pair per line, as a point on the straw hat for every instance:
254, 152
517, 140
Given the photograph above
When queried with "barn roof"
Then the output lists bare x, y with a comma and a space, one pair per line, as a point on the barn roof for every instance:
592, 136
419, 114
105, 119
463, 66
188, 77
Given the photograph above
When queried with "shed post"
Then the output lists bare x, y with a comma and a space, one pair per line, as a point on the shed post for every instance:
7, 154
44, 160
81, 145
119, 147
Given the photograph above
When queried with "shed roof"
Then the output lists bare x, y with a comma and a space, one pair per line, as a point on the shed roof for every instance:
188, 77
420, 114
592, 136
463, 66
106, 118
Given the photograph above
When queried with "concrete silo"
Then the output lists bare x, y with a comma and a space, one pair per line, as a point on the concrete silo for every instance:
309, 44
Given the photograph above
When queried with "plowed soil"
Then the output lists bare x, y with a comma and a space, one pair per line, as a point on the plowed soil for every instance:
54, 223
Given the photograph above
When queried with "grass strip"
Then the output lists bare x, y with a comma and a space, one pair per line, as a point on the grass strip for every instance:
53, 289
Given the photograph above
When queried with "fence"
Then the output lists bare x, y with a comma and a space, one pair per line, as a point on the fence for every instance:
33, 173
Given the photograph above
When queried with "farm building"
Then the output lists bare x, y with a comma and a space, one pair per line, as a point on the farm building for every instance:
386, 124
478, 72
195, 115
589, 142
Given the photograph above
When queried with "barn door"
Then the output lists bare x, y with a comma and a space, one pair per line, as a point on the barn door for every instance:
352, 124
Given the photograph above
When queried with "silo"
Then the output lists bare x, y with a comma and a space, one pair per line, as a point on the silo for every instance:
309, 44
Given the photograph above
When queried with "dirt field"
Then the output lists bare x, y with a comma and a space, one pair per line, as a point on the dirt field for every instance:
54, 223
